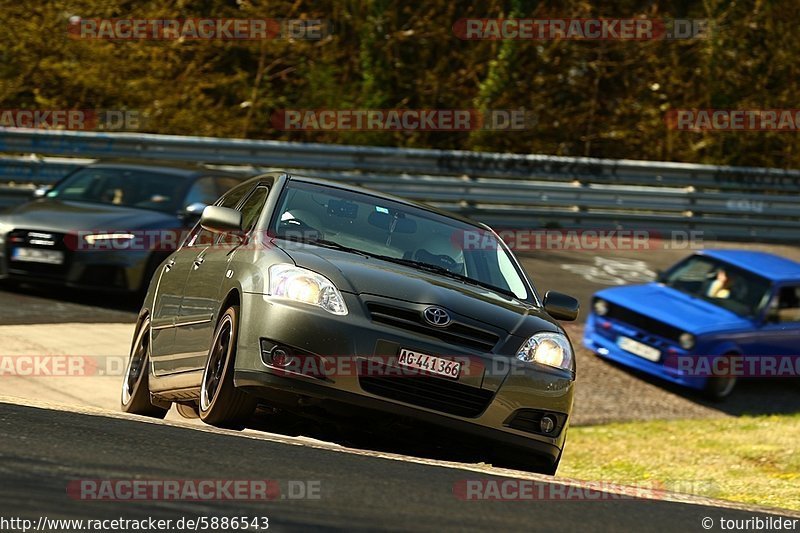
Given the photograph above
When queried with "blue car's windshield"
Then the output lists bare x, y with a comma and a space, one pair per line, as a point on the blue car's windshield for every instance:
727, 286
397, 232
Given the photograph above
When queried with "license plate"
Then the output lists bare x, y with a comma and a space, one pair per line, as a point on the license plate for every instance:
34, 255
638, 348
429, 363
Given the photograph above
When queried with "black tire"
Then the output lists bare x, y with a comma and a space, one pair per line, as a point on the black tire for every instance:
135, 397
720, 387
188, 410
221, 403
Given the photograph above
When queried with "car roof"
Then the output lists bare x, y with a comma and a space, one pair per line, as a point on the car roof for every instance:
186, 170
771, 266
385, 196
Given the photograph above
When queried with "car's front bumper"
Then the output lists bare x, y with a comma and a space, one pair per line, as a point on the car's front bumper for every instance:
121, 271
603, 342
509, 385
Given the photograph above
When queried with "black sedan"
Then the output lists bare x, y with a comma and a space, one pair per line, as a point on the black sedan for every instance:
321, 299
107, 225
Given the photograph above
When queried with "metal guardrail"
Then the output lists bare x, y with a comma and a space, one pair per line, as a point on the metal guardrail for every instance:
505, 190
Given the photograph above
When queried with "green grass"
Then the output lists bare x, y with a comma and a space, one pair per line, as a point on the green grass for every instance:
749, 459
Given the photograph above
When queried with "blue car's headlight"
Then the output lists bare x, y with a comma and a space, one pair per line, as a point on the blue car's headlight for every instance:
303, 285
686, 340
547, 348
600, 307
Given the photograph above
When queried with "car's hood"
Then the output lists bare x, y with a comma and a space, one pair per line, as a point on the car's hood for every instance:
369, 276
673, 307
58, 216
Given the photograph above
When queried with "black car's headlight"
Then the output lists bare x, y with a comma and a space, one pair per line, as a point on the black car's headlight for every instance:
303, 285
117, 237
547, 348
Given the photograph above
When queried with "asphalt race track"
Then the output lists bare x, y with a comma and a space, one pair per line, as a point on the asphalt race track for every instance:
43, 450
54, 430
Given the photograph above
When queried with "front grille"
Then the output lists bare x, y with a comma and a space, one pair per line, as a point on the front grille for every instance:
643, 322
455, 333
425, 391
41, 240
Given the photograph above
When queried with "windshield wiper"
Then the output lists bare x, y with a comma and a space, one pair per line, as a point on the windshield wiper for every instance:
325, 244
445, 272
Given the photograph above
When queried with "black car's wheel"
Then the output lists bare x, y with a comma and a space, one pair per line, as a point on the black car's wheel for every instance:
135, 397
720, 387
221, 403
188, 410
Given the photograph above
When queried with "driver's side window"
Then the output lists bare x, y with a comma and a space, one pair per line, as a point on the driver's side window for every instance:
785, 307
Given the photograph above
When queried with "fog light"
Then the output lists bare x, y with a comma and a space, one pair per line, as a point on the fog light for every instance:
547, 424
280, 357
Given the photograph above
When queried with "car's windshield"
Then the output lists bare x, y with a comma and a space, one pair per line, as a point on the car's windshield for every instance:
128, 188
719, 283
397, 232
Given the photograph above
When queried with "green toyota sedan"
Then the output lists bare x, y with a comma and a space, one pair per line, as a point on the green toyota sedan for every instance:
312, 297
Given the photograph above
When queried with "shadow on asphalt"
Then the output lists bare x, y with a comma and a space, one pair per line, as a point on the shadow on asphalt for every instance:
392, 435
753, 397
37, 304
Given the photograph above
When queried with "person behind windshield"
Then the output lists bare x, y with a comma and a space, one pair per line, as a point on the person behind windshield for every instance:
721, 286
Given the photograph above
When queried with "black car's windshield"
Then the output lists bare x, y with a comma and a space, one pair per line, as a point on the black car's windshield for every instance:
128, 188
719, 283
398, 233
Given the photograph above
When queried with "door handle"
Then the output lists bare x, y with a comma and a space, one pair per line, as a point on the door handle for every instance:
169, 265
198, 261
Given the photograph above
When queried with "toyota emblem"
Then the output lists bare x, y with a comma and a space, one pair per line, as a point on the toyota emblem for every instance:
436, 316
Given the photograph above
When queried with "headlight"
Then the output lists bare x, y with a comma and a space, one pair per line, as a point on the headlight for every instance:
547, 348
98, 237
686, 340
600, 307
302, 285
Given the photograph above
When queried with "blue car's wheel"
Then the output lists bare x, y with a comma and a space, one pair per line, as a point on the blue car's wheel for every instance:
720, 387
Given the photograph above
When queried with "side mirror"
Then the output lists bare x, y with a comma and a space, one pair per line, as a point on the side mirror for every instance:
221, 219
561, 306
41, 192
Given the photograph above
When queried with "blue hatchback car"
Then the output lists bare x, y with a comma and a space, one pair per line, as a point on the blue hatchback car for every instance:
714, 316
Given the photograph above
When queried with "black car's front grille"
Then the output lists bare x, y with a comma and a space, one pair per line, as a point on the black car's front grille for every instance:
643, 322
425, 391
40, 240
455, 333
